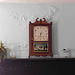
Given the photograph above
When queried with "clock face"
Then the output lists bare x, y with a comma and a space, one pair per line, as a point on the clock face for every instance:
40, 33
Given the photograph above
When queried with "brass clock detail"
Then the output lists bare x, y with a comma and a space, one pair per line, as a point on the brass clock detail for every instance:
40, 38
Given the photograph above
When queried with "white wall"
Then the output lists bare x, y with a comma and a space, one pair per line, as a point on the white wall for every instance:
38, 1
14, 25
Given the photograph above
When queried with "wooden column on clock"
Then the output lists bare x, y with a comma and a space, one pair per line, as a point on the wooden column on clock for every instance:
40, 38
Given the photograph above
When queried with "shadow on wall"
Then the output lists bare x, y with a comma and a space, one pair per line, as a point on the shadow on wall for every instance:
55, 37
72, 53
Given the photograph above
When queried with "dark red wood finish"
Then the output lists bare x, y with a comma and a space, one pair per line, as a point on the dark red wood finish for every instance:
31, 39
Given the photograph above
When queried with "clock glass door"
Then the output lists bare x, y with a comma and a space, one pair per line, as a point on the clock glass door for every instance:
40, 46
40, 38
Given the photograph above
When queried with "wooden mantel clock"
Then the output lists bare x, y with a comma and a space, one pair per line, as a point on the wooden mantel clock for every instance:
40, 38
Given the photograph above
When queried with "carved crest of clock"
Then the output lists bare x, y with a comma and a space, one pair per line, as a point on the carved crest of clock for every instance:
40, 38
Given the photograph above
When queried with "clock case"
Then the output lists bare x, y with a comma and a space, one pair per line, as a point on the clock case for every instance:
31, 38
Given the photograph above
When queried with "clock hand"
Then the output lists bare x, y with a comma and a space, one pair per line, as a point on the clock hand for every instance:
40, 34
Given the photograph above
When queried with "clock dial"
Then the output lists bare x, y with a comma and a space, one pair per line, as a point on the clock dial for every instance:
40, 33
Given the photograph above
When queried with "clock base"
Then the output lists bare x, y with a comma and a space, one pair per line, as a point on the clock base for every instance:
40, 57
